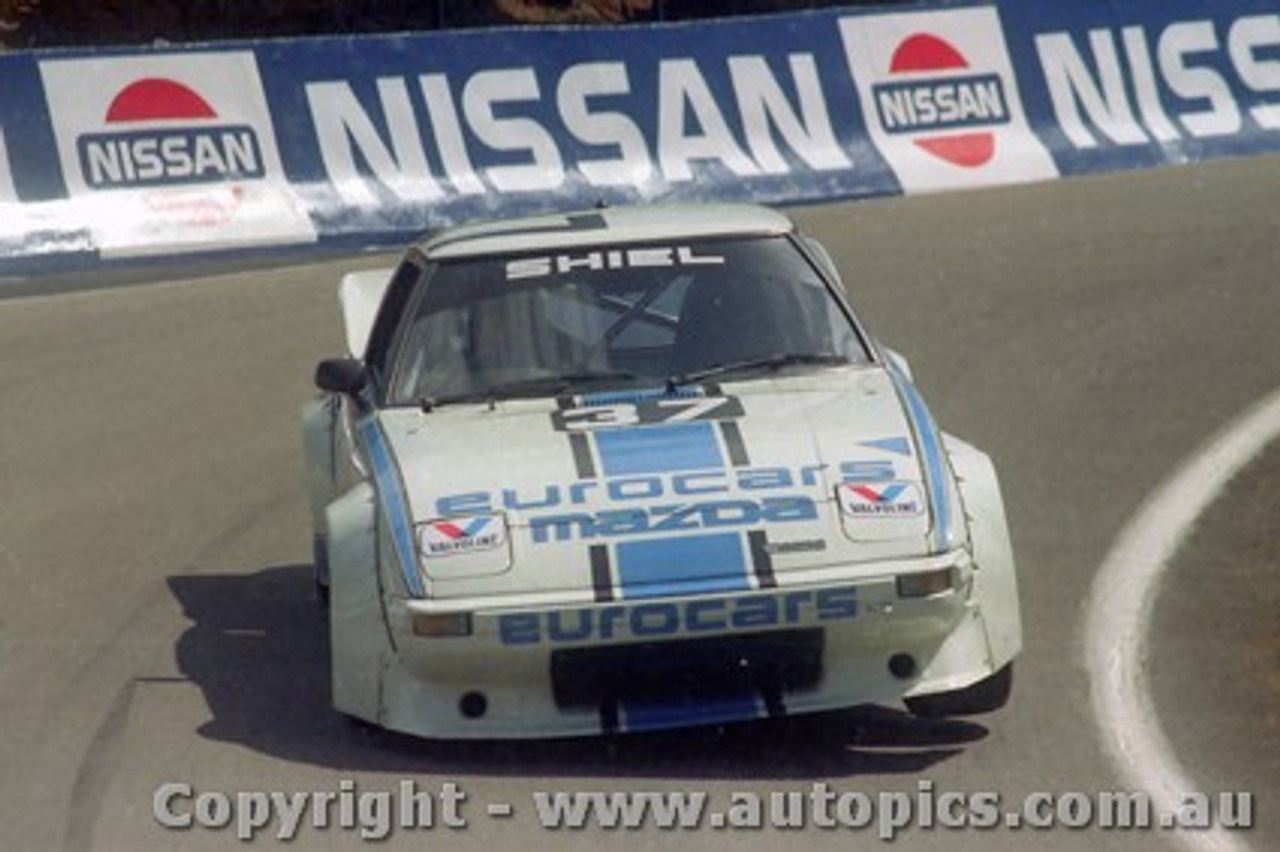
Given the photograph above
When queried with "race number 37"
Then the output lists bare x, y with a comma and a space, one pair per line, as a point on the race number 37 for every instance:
648, 412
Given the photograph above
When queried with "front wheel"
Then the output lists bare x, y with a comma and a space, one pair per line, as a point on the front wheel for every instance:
988, 694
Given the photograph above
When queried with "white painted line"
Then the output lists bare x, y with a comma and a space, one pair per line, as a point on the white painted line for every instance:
1118, 615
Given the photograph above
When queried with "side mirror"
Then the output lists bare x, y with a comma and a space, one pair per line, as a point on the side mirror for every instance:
342, 375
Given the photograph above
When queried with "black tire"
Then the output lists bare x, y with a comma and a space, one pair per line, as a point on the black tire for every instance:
320, 569
986, 695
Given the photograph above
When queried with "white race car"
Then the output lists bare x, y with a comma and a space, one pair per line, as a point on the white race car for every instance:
640, 468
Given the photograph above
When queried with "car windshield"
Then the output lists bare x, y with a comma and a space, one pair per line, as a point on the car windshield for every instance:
625, 316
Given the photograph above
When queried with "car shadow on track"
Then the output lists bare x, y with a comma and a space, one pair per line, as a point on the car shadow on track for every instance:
258, 648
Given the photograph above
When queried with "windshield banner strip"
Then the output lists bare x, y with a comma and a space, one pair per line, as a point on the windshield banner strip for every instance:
618, 397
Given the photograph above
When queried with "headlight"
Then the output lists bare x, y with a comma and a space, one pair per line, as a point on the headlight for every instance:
922, 584
442, 624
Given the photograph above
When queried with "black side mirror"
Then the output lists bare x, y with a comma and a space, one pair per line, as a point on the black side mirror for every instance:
342, 375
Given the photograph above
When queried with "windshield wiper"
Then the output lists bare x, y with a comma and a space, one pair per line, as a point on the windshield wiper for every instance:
555, 385
431, 403
765, 362
533, 387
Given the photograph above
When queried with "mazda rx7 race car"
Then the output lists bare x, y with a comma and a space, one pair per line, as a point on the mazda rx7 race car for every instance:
641, 468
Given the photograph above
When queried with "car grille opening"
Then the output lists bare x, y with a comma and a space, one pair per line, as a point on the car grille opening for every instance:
769, 663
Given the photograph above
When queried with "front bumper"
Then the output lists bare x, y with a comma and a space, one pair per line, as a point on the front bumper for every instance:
823, 640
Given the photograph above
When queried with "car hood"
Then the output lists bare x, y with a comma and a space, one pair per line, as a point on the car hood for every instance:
644, 493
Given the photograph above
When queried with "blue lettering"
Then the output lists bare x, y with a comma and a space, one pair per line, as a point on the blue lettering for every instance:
675, 518
755, 612
521, 628
793, 604
810, 474
672, 518
729, 513
666, 618
648, 487
654, 620
558, 631
787, 509
578, 491
609, 618
695, 611
550, 497
834, 604
664, 517
473, 503
686, 483
562, 527
621, 522
866, 471
765, 478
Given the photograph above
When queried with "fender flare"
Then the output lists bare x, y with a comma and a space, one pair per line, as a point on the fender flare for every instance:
995, 576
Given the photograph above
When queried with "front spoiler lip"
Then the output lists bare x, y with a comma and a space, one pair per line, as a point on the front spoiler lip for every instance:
425, 683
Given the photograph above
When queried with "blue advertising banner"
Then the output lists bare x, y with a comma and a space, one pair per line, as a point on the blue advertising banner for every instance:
432, 129
1119, 84
372, 140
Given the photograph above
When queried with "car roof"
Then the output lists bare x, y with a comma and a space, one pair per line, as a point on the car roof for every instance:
605, 226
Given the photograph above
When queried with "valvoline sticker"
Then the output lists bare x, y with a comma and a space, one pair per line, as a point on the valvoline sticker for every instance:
458, 536
895, 499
